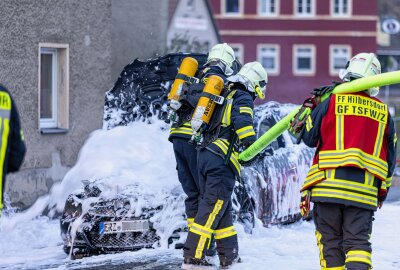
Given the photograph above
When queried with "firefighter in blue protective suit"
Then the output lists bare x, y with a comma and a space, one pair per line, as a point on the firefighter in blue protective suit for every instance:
218, 168
12, 139
219, 62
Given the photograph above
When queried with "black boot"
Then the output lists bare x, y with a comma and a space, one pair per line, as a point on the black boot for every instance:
226, 263
196, 264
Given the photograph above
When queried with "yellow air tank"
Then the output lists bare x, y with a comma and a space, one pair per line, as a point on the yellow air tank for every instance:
205, 106
187, 68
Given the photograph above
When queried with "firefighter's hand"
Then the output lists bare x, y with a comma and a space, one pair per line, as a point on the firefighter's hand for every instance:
298, 121
305, 203
246, 144
243, 147
380, 204
324, 89
382, 198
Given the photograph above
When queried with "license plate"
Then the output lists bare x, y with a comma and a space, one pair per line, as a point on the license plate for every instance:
124, 226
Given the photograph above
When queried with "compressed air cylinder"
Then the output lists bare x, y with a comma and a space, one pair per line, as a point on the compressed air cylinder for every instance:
188, 68
205, 106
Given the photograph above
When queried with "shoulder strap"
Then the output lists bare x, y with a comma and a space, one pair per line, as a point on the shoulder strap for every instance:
221, 109
231, 94
187, 78
215, 128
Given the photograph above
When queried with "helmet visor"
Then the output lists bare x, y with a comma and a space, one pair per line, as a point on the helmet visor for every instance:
262, 85
260, 89
221, 65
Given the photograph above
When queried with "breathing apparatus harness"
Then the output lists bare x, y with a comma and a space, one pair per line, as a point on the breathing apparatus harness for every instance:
203, 103
191, 92
297, 124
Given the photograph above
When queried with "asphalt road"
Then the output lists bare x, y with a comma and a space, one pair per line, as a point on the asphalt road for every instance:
148, 264
150, 261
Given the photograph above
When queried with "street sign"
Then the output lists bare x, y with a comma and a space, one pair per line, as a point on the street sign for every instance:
391, 26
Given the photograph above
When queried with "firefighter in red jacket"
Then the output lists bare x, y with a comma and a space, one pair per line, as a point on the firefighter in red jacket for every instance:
352, 169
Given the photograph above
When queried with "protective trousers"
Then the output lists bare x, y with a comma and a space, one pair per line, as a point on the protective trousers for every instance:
343, 234
186, 160
214, 215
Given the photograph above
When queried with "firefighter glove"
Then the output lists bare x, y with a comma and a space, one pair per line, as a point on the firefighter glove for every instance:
243, 147
305, 203
246, 144
298, 122
382, 195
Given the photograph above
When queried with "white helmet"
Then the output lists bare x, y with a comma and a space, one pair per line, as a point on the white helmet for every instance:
254, 76
363, 65
222, 52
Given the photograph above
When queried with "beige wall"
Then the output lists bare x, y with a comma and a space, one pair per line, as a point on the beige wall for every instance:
139, 29
102, 37
85, 27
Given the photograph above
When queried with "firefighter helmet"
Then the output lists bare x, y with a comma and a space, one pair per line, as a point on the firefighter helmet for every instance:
363, 65
256, 77
221, 52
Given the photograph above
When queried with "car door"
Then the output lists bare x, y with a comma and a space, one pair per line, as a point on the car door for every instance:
275, 178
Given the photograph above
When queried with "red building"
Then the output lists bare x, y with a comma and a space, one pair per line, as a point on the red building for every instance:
302, 43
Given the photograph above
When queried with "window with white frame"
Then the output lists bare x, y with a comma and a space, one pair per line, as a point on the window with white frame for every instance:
304, 59
238, 50
231, 7
53, 87
339, 55
341, 7
268, 7
305, 7
48, 87
268, 56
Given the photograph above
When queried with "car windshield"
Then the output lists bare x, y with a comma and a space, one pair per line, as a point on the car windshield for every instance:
264, 126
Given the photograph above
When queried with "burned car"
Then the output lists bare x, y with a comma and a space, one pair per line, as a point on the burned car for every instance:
112, 224
132, 217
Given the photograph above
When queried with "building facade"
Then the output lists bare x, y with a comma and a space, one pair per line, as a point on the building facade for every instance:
138, 30
192, 27
389, 45
389, 56
58, 58
302, 43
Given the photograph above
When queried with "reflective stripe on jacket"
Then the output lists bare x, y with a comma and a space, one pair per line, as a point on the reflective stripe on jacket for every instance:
184, 131
355, 131
349, 186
